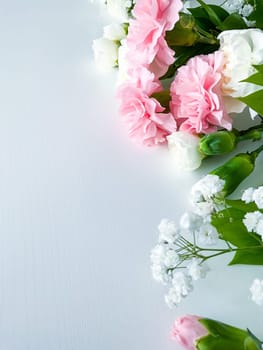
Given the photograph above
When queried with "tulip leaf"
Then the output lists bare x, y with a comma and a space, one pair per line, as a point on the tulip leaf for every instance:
248, 256
229, 225
256, 78
233, 21
254, 101
221, 336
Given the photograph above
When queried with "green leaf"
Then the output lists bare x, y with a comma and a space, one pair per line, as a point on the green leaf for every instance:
258, 14
249, 344
256, 78
239, 204
221, 336
233, 21
228, 223
248, 256
259, 67
254, 101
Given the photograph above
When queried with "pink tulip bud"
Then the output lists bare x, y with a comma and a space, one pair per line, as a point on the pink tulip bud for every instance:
187, 330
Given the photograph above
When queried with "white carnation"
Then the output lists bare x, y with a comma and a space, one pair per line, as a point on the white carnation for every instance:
242, 49
197, 270
114, 31
105, 53
184, 150
258, 197
256, 290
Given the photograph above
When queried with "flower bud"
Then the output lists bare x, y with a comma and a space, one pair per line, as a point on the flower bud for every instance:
196, 333
184, 32
234, 171
217, 143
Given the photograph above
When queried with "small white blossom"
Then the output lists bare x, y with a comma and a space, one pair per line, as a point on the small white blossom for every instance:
246, 10
157, 254
207, 235
251, 220
197, 270
256, 290
182, 285
114, 31
171, 258
247, 195
206, 194
258, 197
173, 297
191, 221
105, 53
233, 6
168, 231
259, 228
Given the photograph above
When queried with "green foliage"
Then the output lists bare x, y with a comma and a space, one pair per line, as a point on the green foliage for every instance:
233, 21
254, 101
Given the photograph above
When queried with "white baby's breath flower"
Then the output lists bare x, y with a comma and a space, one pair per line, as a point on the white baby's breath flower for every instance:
114, 31
258, 197
171, 258
181, 286
173, 297
246, 10
256, 290
105, 53
168, 231
158, 254
233, 6
207, 235
197, 270
247, 195
259, 228
184, 150
206, 194
251, 220
191, 221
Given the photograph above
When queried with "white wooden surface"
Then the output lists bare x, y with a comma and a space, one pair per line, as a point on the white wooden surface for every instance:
79, 203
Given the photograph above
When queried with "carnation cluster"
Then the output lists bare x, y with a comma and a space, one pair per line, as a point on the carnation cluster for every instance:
185, 72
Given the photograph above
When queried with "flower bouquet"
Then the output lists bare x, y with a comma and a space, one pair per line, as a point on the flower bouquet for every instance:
189, 74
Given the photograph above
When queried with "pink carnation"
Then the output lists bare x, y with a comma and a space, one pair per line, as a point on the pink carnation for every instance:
146, 36
196, 95
144, 115
187, 330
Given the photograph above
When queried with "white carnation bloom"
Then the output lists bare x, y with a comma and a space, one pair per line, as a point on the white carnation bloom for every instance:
184, 150
114, 31
247, 195
256, 290
105, 53
258, 197
168, 231
207, 235
119, 9
242, 49
197, 270
251, 220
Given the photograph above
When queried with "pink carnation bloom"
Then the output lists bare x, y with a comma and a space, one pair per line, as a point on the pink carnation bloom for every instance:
196, 95
187, 330
143, 114
146, 36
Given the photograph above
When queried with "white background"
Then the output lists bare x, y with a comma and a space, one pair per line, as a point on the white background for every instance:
79, 202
